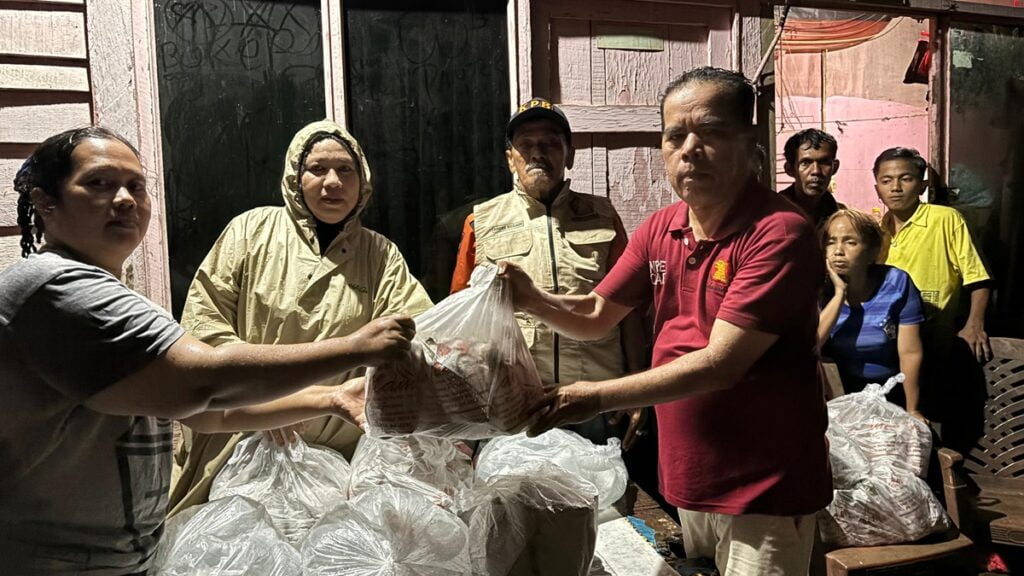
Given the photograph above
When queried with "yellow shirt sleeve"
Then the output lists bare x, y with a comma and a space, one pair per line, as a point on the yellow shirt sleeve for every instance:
964, 253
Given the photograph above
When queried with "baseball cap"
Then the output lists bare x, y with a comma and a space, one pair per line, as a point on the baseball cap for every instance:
537, 109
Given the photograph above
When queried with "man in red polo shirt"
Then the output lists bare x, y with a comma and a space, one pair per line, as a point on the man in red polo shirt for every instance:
733, 271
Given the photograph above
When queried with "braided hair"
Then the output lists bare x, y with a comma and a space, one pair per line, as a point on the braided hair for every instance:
47, 169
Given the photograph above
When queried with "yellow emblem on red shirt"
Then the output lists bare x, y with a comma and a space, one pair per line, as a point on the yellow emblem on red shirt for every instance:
720, 271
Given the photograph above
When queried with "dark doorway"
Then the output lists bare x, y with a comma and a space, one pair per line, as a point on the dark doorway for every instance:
428, 98
237, 80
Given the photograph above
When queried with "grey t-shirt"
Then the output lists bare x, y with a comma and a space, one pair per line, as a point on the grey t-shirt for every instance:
80, 492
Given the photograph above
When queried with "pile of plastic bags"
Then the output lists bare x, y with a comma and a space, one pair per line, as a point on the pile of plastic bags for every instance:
470, 376
879, 455
409, 506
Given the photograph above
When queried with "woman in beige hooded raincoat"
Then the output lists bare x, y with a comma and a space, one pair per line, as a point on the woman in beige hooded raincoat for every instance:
298, 273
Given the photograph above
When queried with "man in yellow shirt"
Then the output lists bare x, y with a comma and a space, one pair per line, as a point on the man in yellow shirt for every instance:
933, 245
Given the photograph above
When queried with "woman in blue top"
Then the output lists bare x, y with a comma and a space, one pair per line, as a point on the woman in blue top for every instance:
870, 324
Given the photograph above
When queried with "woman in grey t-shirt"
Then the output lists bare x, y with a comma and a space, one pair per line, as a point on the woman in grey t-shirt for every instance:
92, 373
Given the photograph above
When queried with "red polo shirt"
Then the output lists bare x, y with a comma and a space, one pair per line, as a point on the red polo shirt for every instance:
758, 447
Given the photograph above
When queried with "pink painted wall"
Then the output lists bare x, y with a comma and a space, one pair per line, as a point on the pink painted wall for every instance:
863, 129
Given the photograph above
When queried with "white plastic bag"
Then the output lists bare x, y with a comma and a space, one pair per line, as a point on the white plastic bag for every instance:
542, 522
879, 453
886, 433
433, 467
470, 375
849, 464
297, 484
602, 466
226, 537
387, 531
890, 507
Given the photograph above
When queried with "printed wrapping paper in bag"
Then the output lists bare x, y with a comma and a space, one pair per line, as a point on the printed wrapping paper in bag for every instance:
540, 522
600, 465
226, 537
886, 433
433, 467
879, 454
849, 464
469, 375
891, 506
297, 484
387, 531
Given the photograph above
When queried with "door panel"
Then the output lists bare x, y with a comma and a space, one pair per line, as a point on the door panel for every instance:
605, 63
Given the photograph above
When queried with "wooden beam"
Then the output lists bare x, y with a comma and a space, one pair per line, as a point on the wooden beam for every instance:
44, 5
612, 118
18, 150
122, 55
12, 98
524, 11
29, 60
333, 34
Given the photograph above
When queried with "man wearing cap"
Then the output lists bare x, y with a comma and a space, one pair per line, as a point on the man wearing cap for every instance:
565, 240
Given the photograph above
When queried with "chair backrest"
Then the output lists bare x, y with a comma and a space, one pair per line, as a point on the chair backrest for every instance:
1000, 451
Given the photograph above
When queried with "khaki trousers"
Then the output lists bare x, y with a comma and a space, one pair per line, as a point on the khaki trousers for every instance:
750, 544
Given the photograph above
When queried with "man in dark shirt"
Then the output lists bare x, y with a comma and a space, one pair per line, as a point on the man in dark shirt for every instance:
811, 162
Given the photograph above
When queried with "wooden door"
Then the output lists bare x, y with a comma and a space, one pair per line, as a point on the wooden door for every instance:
605, 62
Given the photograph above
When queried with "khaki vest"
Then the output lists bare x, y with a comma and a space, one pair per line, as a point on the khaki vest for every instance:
564, 249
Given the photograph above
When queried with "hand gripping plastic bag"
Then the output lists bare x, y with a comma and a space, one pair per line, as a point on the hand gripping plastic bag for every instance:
470, 374
226, 537
387, 531
433, 467
297, 484
886, 433
602, 466
542, 522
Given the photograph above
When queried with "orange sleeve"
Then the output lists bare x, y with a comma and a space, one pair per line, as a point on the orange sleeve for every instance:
465, 261
618, 243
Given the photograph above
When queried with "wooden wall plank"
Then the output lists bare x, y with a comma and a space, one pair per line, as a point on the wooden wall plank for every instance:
613, 118
635, 77
687, 48
8, 198
10, 250
600, 164
636, 177
42, 33
570, 61
28, 77
524, 15
581, 175
37, 123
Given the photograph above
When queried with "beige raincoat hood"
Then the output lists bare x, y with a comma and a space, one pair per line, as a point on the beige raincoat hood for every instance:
266, 282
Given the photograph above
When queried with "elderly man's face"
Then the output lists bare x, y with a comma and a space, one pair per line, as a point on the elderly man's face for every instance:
709, 154
539, 156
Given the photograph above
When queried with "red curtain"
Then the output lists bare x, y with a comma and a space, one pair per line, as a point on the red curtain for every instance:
810, 30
